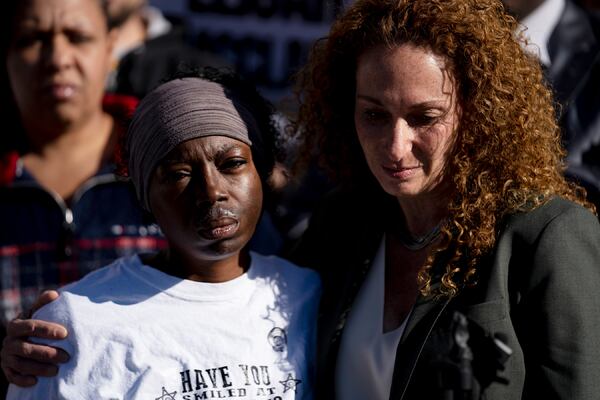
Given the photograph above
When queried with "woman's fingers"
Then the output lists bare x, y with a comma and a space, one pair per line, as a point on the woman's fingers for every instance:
22, 367
22, 328
44, 298
16, 349
18, 379
21, 360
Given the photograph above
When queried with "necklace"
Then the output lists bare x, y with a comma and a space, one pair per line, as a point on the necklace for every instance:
420, 242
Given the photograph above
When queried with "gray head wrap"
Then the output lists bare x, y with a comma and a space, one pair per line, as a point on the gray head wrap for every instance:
176, 111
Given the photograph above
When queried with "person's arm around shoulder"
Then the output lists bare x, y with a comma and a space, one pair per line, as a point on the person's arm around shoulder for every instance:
22, 360
561, 309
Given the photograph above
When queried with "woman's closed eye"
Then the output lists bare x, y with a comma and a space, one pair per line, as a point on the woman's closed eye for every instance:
374, 116
176, 175
418, 120
27, 39
78, 37
233, 164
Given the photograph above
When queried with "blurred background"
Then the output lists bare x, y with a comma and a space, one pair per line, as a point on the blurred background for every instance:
265, 40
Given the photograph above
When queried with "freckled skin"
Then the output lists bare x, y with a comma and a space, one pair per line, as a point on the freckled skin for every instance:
405, 117
206, 195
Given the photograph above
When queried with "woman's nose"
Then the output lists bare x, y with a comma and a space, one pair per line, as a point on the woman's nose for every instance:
210, 188
401, 139
58, 53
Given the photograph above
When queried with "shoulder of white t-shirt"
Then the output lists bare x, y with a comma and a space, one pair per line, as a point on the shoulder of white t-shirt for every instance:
275, 266
107, 272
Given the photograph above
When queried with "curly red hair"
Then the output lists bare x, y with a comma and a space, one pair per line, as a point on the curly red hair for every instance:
507, 156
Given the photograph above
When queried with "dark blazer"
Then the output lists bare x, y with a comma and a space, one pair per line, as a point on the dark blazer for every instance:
540, 289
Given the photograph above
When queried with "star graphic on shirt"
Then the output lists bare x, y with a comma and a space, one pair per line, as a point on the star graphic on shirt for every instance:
290, 383
166, 395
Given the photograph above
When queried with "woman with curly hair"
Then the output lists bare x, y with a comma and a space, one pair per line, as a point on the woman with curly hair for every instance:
455, 256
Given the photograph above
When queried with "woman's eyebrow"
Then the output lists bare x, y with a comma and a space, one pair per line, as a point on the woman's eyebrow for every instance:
368, 98
178, 157
441, 103
225, 148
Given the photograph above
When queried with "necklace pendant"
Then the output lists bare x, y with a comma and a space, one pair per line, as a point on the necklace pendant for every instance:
418, 243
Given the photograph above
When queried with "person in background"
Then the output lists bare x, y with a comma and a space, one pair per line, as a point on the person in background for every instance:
232, 323
457, 261
64, 212
148, 48
566, 39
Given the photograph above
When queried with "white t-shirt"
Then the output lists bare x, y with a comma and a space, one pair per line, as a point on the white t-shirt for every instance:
365, 363
138, 333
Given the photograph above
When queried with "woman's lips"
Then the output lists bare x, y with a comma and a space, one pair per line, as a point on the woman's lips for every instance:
60, 91
401, 172
218, 229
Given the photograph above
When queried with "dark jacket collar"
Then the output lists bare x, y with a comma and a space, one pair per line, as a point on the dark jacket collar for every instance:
422, 319
574, 46
420, 323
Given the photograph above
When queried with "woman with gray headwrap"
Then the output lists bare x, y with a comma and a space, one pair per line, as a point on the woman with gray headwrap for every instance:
199, 318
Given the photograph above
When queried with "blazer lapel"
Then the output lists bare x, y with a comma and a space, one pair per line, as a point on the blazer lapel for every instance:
418, 328
573, 48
